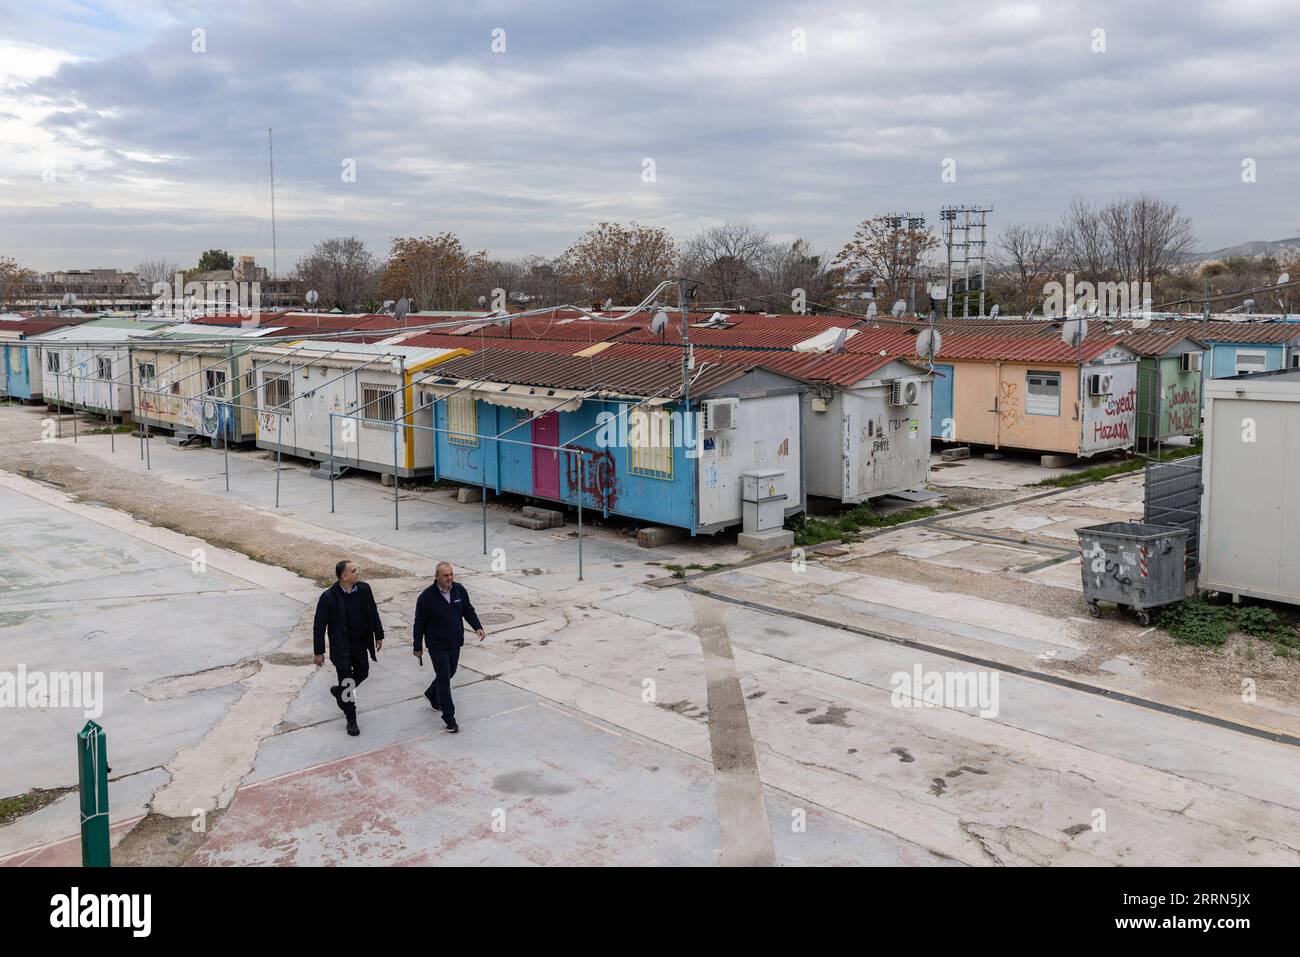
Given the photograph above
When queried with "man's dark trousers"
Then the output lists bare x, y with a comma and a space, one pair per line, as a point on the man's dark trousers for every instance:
358, 669
444, 661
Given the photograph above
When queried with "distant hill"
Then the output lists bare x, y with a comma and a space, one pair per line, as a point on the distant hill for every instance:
1282, 250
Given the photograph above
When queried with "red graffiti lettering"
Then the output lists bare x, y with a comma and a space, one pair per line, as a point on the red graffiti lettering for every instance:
599, 475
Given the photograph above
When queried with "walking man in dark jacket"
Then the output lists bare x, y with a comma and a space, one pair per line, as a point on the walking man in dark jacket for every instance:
348, 612
440, 612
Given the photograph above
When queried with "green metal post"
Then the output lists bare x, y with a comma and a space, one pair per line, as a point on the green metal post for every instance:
92, 776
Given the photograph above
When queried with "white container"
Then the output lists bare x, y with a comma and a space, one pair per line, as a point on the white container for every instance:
1250, 498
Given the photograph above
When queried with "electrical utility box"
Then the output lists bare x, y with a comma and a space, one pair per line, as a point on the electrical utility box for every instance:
762, 499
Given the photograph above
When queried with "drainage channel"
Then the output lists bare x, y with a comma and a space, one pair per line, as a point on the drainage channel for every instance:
1062, 682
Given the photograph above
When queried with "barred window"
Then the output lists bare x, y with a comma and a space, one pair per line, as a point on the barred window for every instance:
650, 443
52, 362
275, 391
462, 420
377, 403
147, 373
104, 366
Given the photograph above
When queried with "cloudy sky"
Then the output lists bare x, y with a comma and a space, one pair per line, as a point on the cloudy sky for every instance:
138, 130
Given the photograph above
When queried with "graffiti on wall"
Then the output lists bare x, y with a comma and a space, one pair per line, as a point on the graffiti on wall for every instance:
1116, 419
1182, 408
1010, 409
599, 475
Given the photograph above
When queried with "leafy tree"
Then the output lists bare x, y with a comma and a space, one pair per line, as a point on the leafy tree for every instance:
215, 259
12, 279
621, 263
884, 254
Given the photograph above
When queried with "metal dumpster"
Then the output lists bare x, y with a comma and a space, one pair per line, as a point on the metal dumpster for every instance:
1133, 564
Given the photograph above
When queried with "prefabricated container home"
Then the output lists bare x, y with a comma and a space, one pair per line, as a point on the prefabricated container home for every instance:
21, 379
632, 443
367, 386
1250, 480
88, 366
1169, 383
1036, 393
1240, 348
865, 417
197, 379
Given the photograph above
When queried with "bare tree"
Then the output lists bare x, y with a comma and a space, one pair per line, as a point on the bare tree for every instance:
726, 259
1023, 258
1083, 242
785, 270
1148, 237
342, 270
153, 271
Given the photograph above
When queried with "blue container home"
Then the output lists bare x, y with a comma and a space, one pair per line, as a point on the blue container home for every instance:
501, 416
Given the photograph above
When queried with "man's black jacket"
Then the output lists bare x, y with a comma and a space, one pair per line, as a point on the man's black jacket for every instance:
437, 623
332, 616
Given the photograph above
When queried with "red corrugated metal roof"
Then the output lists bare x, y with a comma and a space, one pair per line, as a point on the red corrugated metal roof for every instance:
632, 377
28, 327
1221, 331
475, 343
545, 327
842, 370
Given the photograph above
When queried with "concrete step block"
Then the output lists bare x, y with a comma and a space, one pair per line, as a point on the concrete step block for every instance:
543, 514
465, 495
652, 536
1056, 461
951, 455
770, 540
523, 521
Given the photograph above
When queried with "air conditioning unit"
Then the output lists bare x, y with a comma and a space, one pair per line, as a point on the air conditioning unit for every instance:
903, 392
720, 414
1099, 383
1189, 362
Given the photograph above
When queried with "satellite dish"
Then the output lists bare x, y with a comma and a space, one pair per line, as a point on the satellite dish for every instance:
482, 300
69, 298
871, 311
402, 308
928, 342
1283, 279
312, 297
993, 313
387, 306
900, 307
1074, 330
659, 323
608, 304
840, 340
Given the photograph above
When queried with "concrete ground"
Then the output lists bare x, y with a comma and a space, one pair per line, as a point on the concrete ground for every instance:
748, 716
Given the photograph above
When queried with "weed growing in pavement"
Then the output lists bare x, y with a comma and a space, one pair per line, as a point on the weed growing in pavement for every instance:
846, 525
1199, 621
679, 571
1115, 468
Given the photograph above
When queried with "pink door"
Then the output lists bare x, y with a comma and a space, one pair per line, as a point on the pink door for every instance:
546, 464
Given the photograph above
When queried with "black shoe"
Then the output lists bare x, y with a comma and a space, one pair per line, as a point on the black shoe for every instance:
352, 727
433, 700
453, 729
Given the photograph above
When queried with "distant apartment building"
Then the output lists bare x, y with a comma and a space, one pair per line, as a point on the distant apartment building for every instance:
274, 293
117, 289
108, 286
